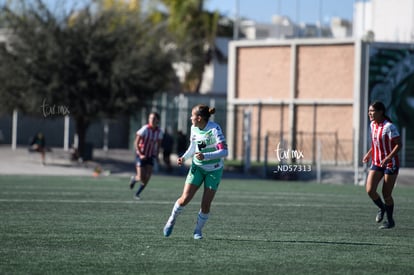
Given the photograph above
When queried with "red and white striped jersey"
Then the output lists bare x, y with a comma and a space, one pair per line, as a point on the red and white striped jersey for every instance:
150, 139
383, 137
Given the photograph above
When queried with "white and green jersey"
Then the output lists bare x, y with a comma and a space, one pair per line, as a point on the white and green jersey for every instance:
211, 142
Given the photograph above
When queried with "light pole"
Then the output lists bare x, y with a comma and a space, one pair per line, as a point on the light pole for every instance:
236, 21
297, 18
320, 19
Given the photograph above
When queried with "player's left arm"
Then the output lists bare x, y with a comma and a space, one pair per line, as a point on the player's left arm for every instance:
396, 147
395, 143
221, 146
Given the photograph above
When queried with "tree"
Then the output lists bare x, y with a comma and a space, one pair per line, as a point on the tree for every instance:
95, 62
193, 30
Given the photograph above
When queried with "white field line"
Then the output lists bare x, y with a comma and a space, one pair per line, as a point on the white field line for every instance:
169, 203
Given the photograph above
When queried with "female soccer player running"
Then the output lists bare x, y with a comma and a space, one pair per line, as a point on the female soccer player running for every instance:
208, 148
147, 143
385, 144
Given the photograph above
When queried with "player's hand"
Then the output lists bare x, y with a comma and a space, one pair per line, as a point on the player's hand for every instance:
384, 162
199, 156
366, 158
180, 161
139, 154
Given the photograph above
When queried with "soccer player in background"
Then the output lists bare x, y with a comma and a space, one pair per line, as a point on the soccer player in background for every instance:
38, 144
385, 144
207, 148
147, 143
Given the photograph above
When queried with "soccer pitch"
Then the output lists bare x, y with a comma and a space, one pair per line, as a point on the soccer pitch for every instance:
82, 225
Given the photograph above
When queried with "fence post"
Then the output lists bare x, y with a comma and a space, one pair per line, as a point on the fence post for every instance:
164, 110
259, 127
66, 133
182, 113
14, 129
247, 140
336, 148
266, 151
314, 145
212, 105
106, 135
318, 163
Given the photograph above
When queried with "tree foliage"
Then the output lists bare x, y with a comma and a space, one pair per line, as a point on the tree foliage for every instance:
193, 30
96, 62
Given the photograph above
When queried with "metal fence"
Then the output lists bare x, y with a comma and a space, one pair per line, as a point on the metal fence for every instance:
323, 147
175, 112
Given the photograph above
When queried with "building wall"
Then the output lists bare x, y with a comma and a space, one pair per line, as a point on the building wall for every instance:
325, 71
329, 125
299, 92
215, 74
273, 124
389, 21
263, 71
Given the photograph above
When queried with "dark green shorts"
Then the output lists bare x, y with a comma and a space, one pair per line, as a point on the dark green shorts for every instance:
198, 175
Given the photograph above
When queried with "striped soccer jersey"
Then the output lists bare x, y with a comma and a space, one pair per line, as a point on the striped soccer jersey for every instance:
382, 142
205, 141
150, 140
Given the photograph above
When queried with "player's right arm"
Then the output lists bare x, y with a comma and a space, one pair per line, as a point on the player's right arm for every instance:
188, 154
138, 147
367, 156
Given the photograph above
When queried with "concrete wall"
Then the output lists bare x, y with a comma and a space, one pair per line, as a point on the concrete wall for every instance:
300, 92
53, 129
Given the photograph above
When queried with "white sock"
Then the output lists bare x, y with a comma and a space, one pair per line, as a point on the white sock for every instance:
177, 209
201, 221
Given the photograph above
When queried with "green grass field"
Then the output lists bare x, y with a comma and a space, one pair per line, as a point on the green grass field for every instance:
79, 225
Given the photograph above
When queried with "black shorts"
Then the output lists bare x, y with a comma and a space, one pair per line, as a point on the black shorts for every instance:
387, 170
140, 162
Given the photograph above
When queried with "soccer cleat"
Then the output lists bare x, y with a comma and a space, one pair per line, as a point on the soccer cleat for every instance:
168, 228
380, 215
132, 182
136, 197
198, 235
387, 225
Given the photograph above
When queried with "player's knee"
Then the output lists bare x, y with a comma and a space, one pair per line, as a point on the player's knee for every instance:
145, 179
184, 200
388, 199
372, 193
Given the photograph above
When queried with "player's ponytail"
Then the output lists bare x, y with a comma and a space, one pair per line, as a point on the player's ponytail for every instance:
204, 111
379, 106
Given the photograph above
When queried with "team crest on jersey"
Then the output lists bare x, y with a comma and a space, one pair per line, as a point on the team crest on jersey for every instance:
209, 139
201, 145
